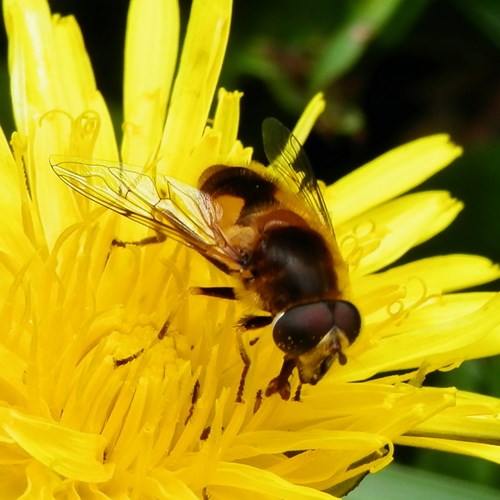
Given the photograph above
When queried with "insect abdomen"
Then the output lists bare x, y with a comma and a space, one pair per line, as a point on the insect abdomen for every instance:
292, 265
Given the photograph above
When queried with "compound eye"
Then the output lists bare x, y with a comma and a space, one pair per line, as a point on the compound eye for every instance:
301, 328
346, 318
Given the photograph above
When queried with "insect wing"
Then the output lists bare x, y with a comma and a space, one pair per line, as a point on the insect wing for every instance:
170, 207
289, 163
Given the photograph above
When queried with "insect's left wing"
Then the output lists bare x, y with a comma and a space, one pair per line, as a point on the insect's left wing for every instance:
168, 206
289, 163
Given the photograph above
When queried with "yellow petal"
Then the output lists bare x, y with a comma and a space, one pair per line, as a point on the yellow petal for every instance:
13, 197
55, 102
226, 123
471, 428
70, 453
234, 480
309, 117
219, 144
49, 66
388, 176
435, 345
119, 382
199, 68
152, 36
444, 273
394, 228
250, 444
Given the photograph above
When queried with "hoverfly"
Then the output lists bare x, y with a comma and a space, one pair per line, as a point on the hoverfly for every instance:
266, 227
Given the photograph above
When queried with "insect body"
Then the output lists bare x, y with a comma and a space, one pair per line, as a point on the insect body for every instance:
266, 227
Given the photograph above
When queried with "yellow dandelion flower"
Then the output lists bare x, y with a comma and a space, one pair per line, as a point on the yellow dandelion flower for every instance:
118, 383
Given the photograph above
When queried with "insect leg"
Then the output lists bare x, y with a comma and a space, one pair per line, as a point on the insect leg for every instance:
247, 323
280, 384
150, 240
246, 365
254, 322
258, 401
298, 392
220, 292
161, 334
194, 399
128, 359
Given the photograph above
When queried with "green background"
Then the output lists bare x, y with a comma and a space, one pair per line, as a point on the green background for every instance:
391, 71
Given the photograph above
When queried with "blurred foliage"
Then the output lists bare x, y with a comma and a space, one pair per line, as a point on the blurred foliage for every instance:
391, 71
397, 481
308, 52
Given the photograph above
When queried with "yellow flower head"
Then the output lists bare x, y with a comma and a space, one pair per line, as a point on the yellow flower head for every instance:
117, 382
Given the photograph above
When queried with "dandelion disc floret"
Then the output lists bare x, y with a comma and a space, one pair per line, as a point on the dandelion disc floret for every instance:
119, 382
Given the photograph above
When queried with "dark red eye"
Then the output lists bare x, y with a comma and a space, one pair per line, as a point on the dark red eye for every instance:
346, 318
301, 328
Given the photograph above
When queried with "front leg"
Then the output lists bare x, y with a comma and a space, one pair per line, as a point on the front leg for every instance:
280, 384
254, 322
244, 324
219, 292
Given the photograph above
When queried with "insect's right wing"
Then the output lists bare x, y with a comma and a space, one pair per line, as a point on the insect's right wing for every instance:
168, 206
289, 163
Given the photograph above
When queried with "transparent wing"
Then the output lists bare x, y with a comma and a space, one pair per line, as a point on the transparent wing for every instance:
167, 206
289, 163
